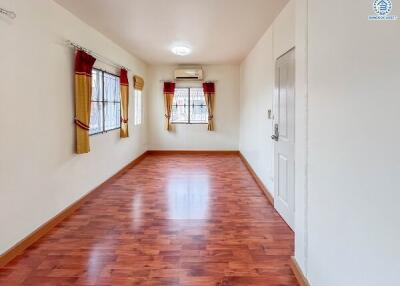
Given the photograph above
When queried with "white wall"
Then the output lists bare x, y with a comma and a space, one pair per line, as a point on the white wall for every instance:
354, 139
347, 214
257, 82
196, 136
301, 134
39, 173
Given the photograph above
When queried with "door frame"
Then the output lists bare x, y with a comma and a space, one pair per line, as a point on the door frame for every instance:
292, 49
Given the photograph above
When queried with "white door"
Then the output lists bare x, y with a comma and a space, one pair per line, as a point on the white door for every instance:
283, 128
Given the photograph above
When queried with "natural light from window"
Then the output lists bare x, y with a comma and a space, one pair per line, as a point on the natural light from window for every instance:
189, 106
105, 112
138, 107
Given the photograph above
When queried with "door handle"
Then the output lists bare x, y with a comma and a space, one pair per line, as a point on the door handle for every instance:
276, 133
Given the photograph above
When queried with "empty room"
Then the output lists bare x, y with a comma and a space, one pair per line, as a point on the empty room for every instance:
199, 142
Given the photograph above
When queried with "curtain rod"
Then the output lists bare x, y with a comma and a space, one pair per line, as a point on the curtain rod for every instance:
10, 14
96, 55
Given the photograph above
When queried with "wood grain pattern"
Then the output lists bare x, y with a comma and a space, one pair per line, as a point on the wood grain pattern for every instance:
182, 219
298, 273
258, 180
18, 248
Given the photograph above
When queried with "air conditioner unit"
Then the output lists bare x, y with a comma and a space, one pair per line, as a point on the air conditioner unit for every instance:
189, 74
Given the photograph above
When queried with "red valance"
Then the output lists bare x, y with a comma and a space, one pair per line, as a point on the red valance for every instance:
169, 87
208, 87
124, 89
83, 94
84, 63
123, 77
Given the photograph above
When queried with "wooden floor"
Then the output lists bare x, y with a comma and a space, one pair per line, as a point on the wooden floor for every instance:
171, 220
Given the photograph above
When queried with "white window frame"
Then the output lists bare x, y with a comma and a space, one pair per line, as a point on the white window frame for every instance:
138, 106
189, 122
103, 102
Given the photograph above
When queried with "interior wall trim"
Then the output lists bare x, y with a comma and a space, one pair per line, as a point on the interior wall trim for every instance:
298, 273
20, 246
42, 230
194, 152
257, 179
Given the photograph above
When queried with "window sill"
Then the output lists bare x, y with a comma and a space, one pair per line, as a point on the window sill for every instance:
102, 132
186, 123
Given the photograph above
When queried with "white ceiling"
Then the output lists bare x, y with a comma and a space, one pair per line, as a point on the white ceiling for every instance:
218, 31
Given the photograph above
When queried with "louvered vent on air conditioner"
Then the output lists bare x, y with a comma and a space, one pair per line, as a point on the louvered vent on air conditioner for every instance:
189, 74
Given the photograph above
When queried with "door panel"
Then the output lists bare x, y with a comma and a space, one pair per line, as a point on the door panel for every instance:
282, 178
284, 138
282, 103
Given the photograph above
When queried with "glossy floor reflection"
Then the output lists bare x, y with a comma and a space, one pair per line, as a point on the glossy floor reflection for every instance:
171, 220
188, 196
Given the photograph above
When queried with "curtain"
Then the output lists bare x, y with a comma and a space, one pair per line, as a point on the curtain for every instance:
138, 82
83, 94
169, 90
209, 94
124, 87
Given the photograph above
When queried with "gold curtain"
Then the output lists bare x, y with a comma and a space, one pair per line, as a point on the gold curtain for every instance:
83, 94
209, 94
124, 87
169, 90
138, 82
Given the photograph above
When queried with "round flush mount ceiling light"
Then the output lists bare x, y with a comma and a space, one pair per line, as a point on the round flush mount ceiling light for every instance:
181, 50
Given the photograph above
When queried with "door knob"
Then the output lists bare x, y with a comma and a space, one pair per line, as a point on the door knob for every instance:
276, 133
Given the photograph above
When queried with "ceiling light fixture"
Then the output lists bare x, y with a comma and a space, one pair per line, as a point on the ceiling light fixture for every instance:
181, 50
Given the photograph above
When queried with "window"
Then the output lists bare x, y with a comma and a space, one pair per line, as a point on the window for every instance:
105, 112
138, 107
189, 106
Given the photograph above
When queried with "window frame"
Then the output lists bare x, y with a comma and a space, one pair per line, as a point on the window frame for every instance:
189, 107
103, 104
138, 96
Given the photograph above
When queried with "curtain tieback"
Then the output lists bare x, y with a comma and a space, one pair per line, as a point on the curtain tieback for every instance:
124, 120
167, 116
81, 124
210, 117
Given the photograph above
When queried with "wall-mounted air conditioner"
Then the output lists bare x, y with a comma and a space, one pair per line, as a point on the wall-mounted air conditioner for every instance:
189, 74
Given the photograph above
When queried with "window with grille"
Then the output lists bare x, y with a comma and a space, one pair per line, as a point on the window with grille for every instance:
189, 106
138, 107
105, 112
